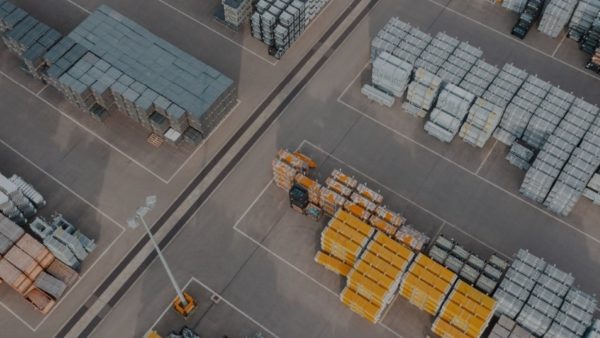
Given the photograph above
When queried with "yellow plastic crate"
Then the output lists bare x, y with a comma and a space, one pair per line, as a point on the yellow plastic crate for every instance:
436, 268
372, 273
359, 304
381, 265
354, 222
388, 256
332, 263
348, 231
476, 295
366, 287
430, 278
394, 246
446, 330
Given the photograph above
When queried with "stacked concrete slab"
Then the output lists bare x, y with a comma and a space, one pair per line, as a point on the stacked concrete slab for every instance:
479, 77
520, 155
449, 113
556, 16
422, 93
389, 37
391, 74
521, 108
514, 5
437, 52
457, 65
575, 315
583, 17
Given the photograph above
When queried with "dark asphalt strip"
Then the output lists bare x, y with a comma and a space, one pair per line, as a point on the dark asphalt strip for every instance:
204, 196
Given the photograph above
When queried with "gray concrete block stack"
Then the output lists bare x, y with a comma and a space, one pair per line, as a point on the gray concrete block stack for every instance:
457, 65
507, 328
19, 201
583, 17
449, 113
437, 52
520, 155
236, 12
555, 17
592, 190
413, 44
504, 87
520, 109
313, 7
389, 37
377, 95
481, 121
575, 315
514, 5
422, 93
479, 78
391, 74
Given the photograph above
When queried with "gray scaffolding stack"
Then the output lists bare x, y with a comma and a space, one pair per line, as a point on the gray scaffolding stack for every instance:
556, 16
457, 65
413, 44
422, 93
575, 315
389, 37
479, 77
437, 52
236, 12
520, 155
449, 113
583, 17
514, 5
391, 74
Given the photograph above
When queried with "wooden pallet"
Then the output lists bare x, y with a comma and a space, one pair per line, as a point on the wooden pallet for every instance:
155, 140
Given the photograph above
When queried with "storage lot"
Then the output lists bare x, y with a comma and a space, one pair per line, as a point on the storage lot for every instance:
263, 264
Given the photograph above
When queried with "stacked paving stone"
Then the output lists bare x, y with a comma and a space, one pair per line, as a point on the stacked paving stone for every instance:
583, 17
556, 16
454, 69
422, 92
479, 78
520, 155
449, 113
481, 121
514, 5
389, 37
520, 109
236, 12
505, 85
391, 74
575, 315
437, 52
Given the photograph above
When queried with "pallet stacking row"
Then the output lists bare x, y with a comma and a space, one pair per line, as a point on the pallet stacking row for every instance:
506, 328
236, 12
450, 110
465, 313
19, 201
373, 281
592, 190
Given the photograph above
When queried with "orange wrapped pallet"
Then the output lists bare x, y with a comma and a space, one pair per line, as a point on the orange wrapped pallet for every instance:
295, 161
40, 300
23, 262
364, 202
313, 188
356, 210
391, 217
348, 181
445, 330
382, 225
371, 194
330, 201
13, 277
338, 187
283, 174
354, 222
361, 305
332, 263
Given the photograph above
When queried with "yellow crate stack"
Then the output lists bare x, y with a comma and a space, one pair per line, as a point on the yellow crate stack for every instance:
467, 311
330, 201
374, 279
426, 284
357, 210
371, 194
346, 180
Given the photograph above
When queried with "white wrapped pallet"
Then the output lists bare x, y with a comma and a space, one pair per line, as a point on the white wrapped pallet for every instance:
556, 16
377, 95
514, 5
582, 18
450, 110
422, 92
482, 120
479, 77
391, 74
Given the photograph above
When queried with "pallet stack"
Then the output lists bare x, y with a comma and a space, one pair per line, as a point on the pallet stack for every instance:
592, 190
521, 108
506, 327
386, 220
426, 284
437, 52
465, 313
556, 16
236, 12
377, 95
389, 37
594, 330
18, 199
582, 18
413, 44
413, 238
449, 113
422, 92
520, 155
391, 74
481, 122
456, 67
504, 87
373, 281
479, 78
10, 15
575, 315
591, 39
514, 5
285, 167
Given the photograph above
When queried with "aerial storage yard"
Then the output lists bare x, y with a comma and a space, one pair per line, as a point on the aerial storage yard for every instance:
300, 168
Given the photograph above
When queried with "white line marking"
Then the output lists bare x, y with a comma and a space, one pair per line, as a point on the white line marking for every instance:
515, 40
217, 32
487, 156
79, 6
41, 90
72, 119
437, 233
469, 171
559, 44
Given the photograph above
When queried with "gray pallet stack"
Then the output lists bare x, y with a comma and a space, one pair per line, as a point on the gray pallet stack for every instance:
422, 93
583, 17
377, 95
313, 7
507, 328
10, 230
16, 196
29, 191
10, 15
279, 23
594, 330
236, 12
50, 285
481, 122
514, 5
450, 110
437, 52
575, 315
457, 65
592, 190
556, 16
391, 74
520, 155
87, 65
547, 117
504, 87
479, 78
413, 44
389, 37
520, 109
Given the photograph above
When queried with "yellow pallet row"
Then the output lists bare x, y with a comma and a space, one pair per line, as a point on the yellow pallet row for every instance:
340, 246
354, 222
382, 225
293, 160
381, 265
348, 181
445, 330
394, 246
364, 202
371, 194
313, 188
476, 295
356, 210
338, 187
361, 305
345, 229
436, 268
391, 217
283, 174
332, 263
368, 288
375, 275
390, 257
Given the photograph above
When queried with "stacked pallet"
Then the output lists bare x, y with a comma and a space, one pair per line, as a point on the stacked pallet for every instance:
590, 40
594, 330
286, 166
594, 63
313, 7
580, 167
236, 12
533, 10
18, 199
422, 92
437, 52
377, 95
479, 78
481, 121
389, 37
466, 313
506, 327
504, 87
342, 242
520, 155
386, 220
372, 283
574, 316
592, 190
426, 284
449, 113
10, 15
412, 237
413, 44
457, 65
514, 5
521, 108
391, 74
556, 16
582, 18
557, 149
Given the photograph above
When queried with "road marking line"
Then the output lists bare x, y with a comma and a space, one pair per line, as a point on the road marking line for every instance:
72, 119
339, 100
41, 90
559, 44
513, 39
72, 2
486, 157
181, 12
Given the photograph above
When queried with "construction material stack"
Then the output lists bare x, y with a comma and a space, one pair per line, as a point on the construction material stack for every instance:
339, 187
389, 37
465, 313
437, 52
413, 238
373, 281
236, 12
520, 155
481, 121
426, 284
594, 330
556, 16
390, 74
422, 93
514, 5
387, 221
449, 113
521, 108
528, 16
479, 77
18, 199
506, 327
456, 67
582, 18
504, 87
592, 190
580, 167
575, 315
590, 40
413, 44
285, 168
